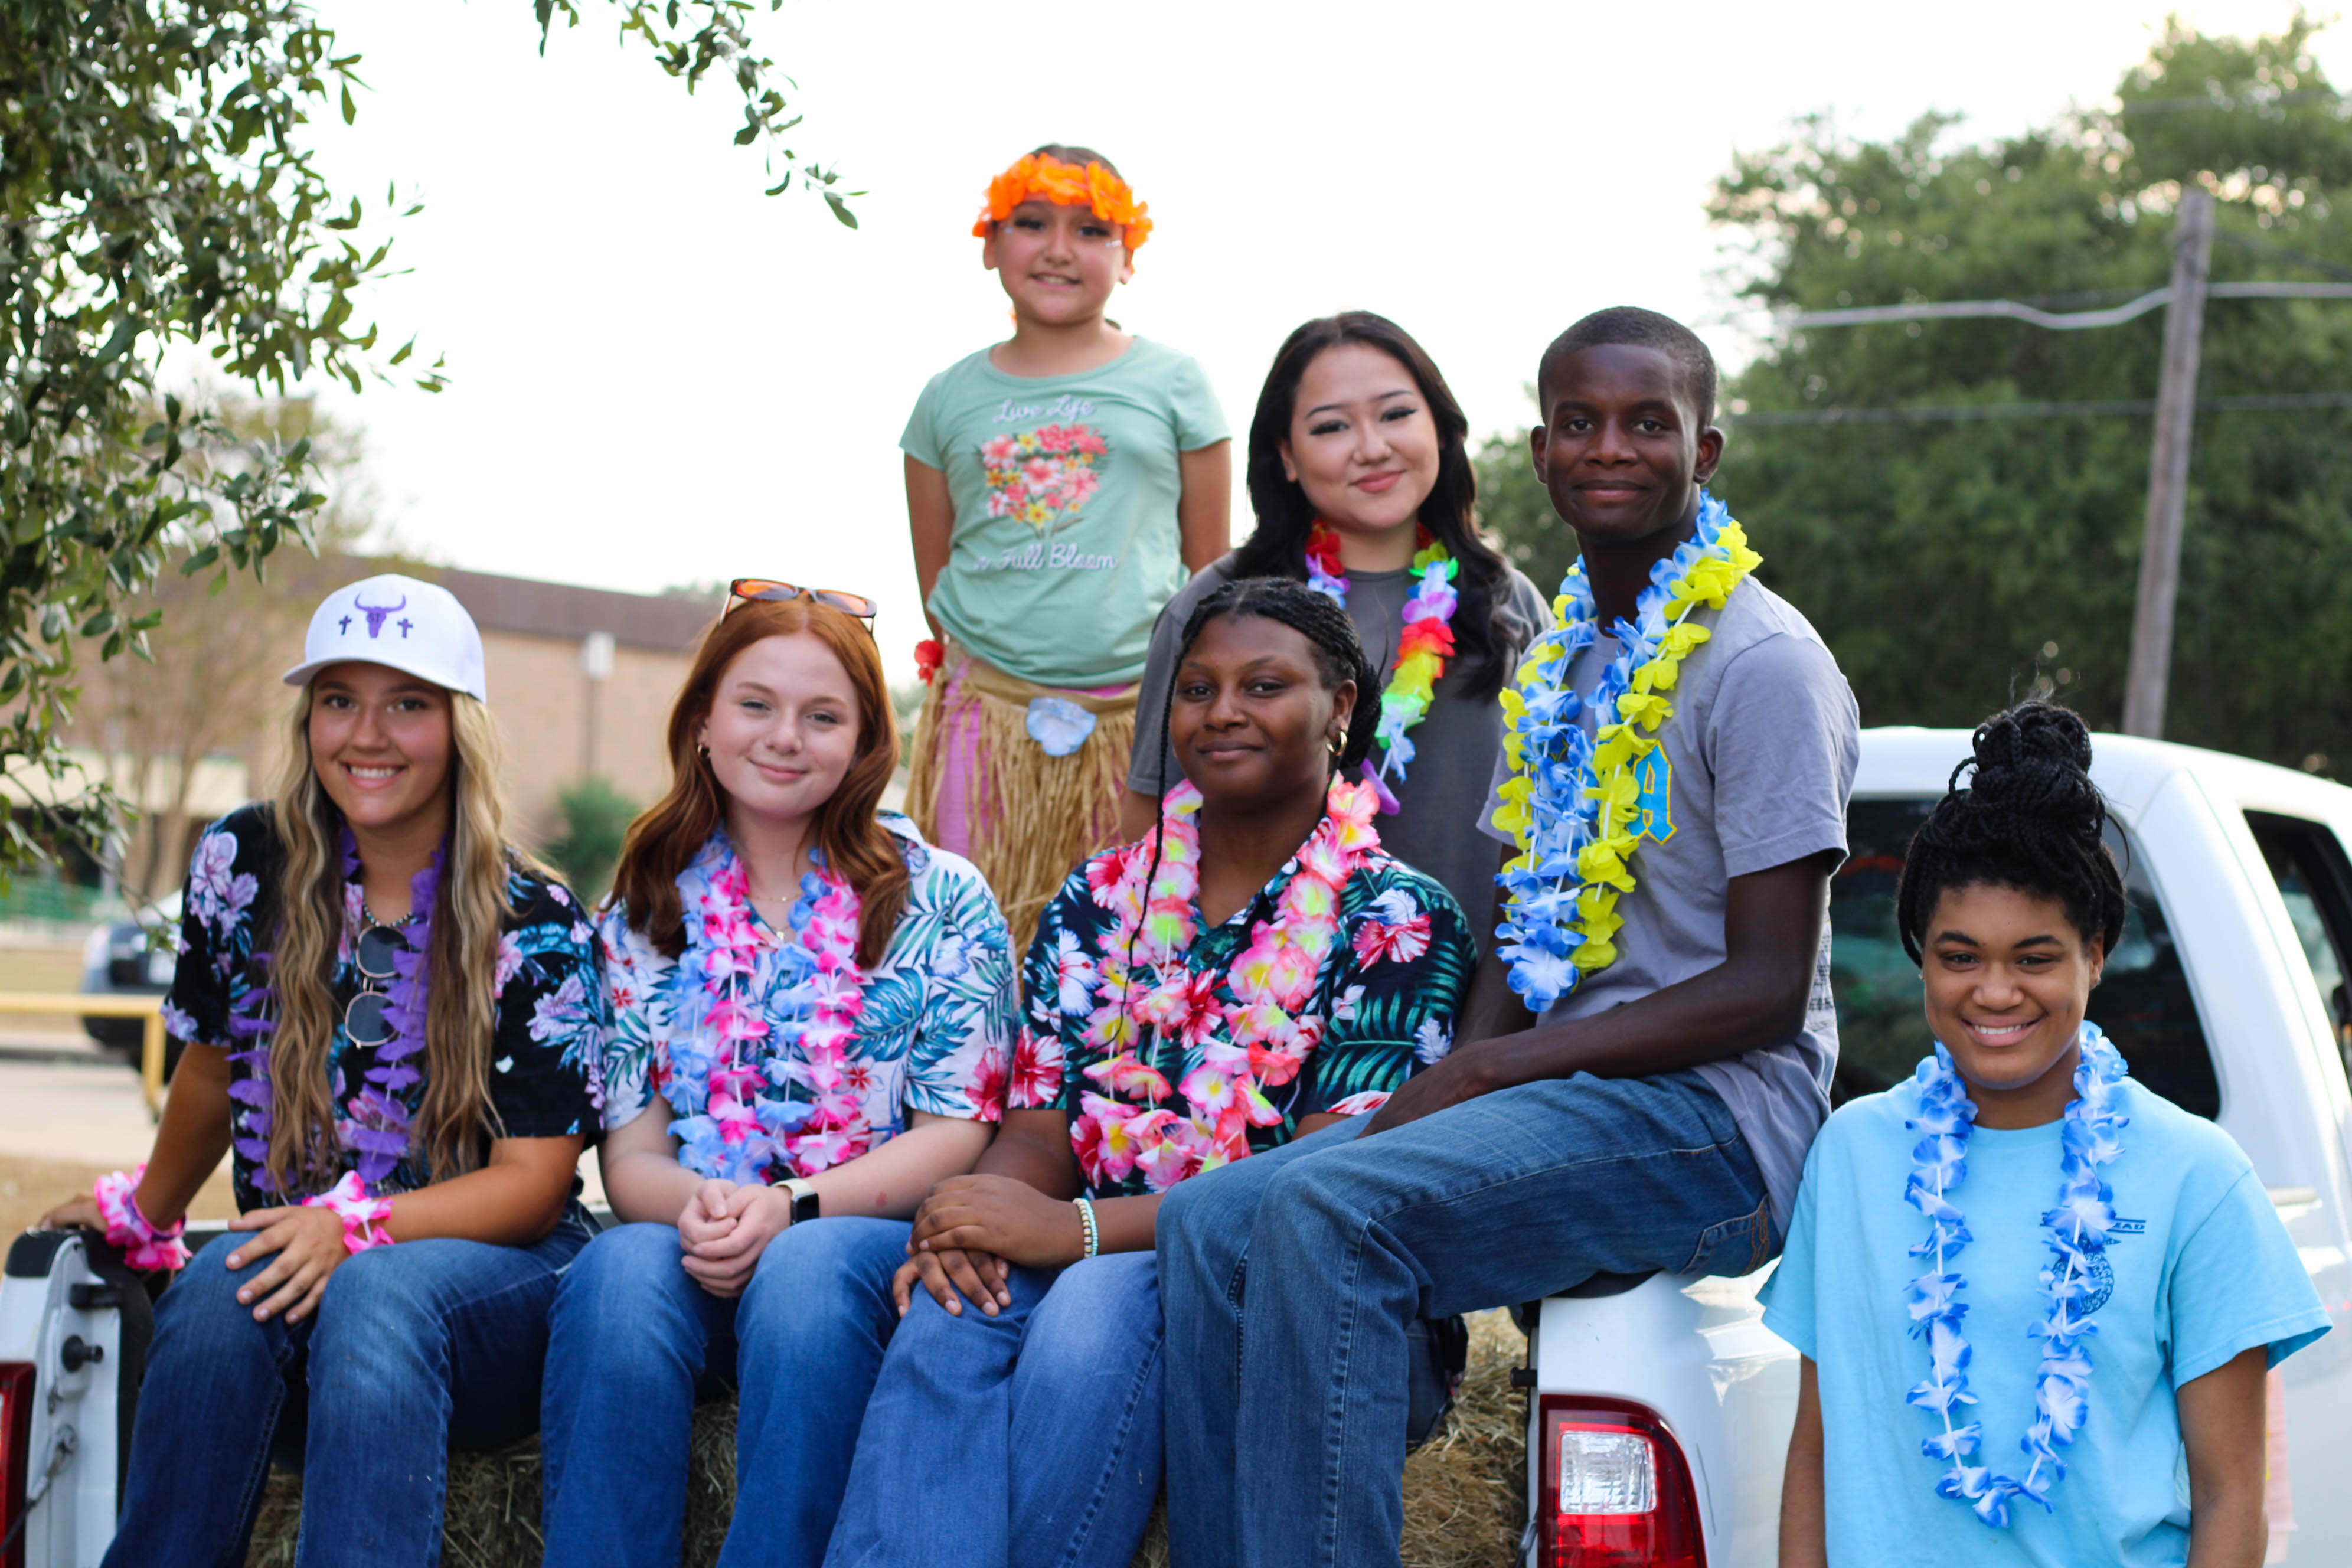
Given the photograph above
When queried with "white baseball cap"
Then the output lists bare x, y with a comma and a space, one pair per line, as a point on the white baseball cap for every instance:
398, 621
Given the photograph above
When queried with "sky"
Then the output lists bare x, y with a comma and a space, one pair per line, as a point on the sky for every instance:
660, 375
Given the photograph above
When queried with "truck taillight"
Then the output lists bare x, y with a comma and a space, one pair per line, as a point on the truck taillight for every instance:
16, 1464
1615, 1490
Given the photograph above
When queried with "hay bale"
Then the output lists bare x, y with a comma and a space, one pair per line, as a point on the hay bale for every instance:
491, 1518
1464, 1490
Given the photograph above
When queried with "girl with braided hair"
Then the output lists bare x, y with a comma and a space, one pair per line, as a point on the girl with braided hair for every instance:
1254, 969
2054, 1366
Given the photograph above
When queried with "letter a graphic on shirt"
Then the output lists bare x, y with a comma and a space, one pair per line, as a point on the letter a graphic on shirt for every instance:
1653, 776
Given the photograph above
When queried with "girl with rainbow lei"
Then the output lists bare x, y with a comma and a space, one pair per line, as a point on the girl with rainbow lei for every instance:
1060, 484
2101, 1343
1571, 800
388, 1019
1255, 970
811, 1011
1360, 476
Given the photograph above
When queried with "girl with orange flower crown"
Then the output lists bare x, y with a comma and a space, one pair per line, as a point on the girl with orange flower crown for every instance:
1060, 487
1359, 474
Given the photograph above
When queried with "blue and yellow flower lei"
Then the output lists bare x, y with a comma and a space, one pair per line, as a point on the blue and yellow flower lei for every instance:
2078, 1230
1572, 803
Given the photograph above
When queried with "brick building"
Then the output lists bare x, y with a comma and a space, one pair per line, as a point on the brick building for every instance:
581, 681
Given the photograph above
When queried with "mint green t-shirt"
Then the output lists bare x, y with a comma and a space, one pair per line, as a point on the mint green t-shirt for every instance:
1066, 539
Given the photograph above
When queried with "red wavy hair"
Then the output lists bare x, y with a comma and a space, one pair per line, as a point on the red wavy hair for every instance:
668, 834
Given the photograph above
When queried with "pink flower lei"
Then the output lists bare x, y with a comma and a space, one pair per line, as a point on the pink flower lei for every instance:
738, 1119
1244, 1047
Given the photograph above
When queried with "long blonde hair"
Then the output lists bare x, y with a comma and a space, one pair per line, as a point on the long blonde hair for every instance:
461, 1013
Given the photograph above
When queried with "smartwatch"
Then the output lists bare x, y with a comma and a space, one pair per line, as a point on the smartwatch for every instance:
806, 1205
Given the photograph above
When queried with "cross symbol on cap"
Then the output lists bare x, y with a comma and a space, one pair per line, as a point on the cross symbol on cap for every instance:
345, 625
404, 624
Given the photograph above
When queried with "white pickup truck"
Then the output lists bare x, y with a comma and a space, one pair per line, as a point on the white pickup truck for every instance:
1666, 1397
1662, 1406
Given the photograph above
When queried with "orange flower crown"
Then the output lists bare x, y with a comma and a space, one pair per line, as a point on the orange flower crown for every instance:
1065, 185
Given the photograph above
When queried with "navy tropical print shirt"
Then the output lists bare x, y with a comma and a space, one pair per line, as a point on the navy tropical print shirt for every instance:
545, 1050
1386, 996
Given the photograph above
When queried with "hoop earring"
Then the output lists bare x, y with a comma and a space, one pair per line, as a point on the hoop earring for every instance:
1339, 745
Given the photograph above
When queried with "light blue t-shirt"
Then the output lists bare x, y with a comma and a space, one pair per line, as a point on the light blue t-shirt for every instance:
2197, 1270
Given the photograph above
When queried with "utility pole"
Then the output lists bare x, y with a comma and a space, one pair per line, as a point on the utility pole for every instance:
2167, 477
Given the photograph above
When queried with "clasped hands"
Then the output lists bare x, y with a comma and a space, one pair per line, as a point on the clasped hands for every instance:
724, 1228
970, 1232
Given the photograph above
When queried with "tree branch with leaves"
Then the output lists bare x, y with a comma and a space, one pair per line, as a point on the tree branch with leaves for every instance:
158, 196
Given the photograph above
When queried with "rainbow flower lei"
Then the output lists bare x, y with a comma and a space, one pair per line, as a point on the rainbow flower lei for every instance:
2078, 1230
1572, 803
1426, 643
730, 1082
1088, 185
1243, 1048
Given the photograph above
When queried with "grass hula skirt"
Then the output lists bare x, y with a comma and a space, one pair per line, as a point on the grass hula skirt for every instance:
1042, 769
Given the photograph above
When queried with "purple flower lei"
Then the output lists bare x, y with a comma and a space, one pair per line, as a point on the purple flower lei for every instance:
2078, 1230
379, 1128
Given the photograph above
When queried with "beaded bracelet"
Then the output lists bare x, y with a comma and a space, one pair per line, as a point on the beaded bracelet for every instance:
143, 1247
362, 1214
1086, 1219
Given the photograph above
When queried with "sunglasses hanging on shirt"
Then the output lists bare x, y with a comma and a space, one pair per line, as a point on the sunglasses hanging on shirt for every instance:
363, 1020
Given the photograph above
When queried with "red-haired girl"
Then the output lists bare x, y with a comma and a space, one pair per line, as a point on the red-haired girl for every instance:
812, 1013
1061, 485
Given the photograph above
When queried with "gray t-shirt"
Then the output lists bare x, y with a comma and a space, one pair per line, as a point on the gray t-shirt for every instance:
1759, 765
1436, 830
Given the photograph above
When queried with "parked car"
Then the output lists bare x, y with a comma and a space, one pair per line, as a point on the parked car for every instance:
130, 957
1671, 1402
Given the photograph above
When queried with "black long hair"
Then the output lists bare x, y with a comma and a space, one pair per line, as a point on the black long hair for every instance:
1485, 631
2030, 819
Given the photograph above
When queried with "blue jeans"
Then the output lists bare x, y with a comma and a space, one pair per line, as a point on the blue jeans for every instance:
634, 1341
412, 1349
1291, 1279
1031, 1440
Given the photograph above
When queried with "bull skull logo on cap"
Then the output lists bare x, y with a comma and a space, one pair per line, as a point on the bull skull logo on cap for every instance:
377, 614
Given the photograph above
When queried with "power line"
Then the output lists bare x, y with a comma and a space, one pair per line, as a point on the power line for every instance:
2065, 321
2095, 408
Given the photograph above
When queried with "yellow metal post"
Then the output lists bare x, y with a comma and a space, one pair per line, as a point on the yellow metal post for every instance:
148, 1008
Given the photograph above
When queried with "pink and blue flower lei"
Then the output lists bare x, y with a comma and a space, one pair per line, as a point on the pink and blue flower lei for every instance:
759, 1086
2077, 1230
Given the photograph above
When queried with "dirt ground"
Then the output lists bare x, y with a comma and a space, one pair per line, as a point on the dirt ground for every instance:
30, 1188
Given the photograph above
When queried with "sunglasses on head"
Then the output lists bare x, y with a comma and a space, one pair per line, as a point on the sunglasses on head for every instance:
777, 592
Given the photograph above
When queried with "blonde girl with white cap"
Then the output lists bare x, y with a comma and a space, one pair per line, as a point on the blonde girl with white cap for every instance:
390, 1016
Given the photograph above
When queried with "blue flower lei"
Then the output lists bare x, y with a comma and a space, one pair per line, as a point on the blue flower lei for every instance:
2078, 1230
1546, 893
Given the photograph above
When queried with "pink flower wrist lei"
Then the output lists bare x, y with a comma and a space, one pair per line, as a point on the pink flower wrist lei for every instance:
143, 1247
362, 1214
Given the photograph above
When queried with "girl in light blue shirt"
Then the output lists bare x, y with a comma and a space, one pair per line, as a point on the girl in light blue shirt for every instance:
2026, 1289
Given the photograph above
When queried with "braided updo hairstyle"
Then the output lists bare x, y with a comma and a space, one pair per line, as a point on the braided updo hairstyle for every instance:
2029, 819
1318, 617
